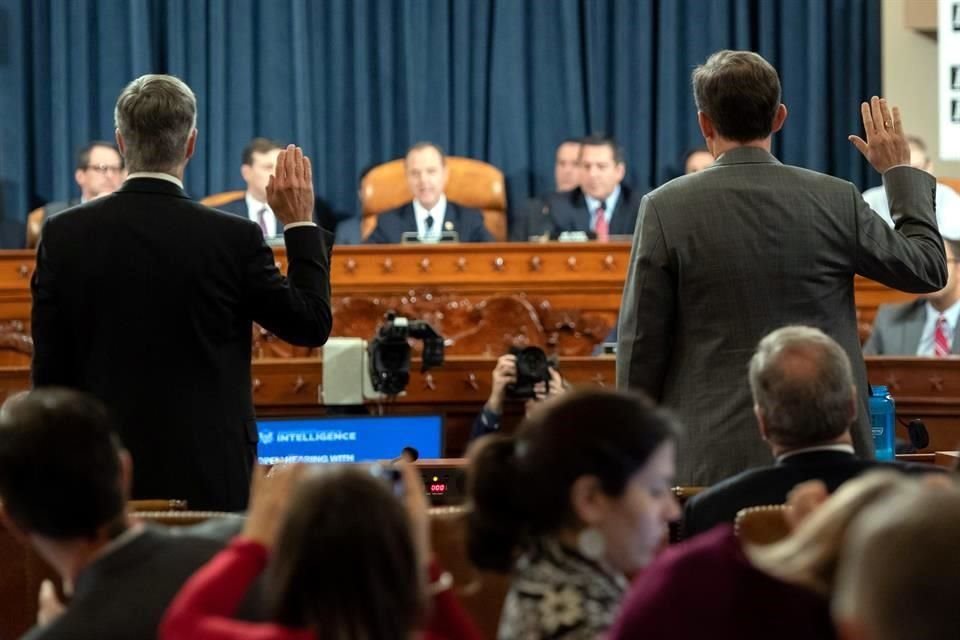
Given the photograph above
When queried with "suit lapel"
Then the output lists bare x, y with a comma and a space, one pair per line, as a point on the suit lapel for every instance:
408, 219
621, 213
451, 219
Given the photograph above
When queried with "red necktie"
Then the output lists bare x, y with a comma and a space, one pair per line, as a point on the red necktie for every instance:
941, 340
600, 223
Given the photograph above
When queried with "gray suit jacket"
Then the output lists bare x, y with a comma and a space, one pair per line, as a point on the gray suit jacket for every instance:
724, 256
897, 330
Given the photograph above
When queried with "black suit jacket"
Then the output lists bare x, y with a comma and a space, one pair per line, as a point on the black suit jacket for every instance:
567, 211
770, 485
146, 299
467, 222
124, 594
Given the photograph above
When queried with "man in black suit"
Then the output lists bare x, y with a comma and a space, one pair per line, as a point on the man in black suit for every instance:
64, 481
99, 172
529, 219
602, 206
146, 299
429, 215
805, 402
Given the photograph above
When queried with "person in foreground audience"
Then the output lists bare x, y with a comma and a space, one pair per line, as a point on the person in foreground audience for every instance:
64, 483
504, 374
925, 327
805, 402
577, 500
753, 592
697, 160
566, 176
722, 256
343, 557
900, 572
146, 299
602, 204
947, 200
430, 214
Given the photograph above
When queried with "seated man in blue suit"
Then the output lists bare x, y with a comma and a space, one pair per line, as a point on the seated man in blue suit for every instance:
928, 326
258, 164
602, 205
429, 215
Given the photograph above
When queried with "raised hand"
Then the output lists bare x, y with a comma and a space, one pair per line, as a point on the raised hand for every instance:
886, 145
269, 497
290, 189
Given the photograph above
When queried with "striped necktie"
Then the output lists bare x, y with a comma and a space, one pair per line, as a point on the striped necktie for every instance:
941, 338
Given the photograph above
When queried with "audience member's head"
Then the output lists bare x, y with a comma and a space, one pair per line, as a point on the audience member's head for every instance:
591, 468
900, 570
948, 296
602, 166
63, 475
738, 98
99, 169
809, 556
919, 156
426, 169
803, 389
345, 560
259, 163
156, 120
697, 160
566, 168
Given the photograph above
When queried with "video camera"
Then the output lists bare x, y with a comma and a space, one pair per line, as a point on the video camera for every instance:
390, 352
533, 366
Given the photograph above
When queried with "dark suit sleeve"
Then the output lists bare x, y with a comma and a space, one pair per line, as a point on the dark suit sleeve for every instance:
480, 233
51, 349
645, 331
378, 236
295, 308
911, 256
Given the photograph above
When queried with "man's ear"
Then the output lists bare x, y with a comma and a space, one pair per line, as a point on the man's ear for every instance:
126, 474
779, 118
245, 172
706, 126
761, 422
18, 534
120, 143
191, 144
587, 500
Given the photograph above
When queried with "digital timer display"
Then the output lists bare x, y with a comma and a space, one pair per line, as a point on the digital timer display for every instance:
438, 488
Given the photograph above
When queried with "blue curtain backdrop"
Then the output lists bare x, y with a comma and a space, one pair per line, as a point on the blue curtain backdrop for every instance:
357, 81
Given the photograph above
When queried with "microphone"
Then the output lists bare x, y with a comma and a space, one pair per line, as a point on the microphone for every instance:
408, 454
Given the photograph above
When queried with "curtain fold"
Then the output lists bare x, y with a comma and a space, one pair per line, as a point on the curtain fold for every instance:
355, 82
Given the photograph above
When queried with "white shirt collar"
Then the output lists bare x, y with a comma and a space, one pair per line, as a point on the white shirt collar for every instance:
845, 448
951, 314
156, 175
609, 203
254, 207
438, 212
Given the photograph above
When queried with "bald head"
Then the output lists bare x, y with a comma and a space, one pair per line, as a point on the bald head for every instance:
802, 386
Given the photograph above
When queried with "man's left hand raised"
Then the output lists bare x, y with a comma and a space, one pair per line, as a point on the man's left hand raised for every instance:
290, 189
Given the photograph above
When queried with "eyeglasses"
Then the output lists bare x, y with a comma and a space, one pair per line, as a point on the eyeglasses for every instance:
104, 169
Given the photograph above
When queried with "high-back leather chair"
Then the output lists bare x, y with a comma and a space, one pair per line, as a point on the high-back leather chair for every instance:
34, 225
215, 200
472, 183
762, 525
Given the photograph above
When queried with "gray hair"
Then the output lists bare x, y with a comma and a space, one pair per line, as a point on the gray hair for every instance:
900, 571
803, 385
155, 115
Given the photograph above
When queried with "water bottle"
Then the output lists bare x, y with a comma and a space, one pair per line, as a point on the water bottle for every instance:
883, 422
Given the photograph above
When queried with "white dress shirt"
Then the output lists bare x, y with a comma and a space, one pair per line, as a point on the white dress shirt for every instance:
845, 448
610, 204
926, 346
438, 212
254, 207
156, 175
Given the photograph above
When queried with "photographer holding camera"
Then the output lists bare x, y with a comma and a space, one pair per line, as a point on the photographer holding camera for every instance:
508, 384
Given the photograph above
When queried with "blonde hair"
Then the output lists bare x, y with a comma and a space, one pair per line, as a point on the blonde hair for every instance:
809, 556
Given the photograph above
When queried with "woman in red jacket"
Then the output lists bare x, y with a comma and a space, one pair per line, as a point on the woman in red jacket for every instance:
344, 559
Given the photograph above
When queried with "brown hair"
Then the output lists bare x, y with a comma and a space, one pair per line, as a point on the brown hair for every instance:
740, 93
345, 563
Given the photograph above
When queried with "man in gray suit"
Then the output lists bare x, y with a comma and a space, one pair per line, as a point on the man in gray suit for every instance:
724, 256
917, 328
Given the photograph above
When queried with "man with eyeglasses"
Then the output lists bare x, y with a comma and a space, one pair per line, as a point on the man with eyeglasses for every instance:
99, 172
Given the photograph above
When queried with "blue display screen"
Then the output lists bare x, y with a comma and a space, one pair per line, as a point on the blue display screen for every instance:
347, 438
